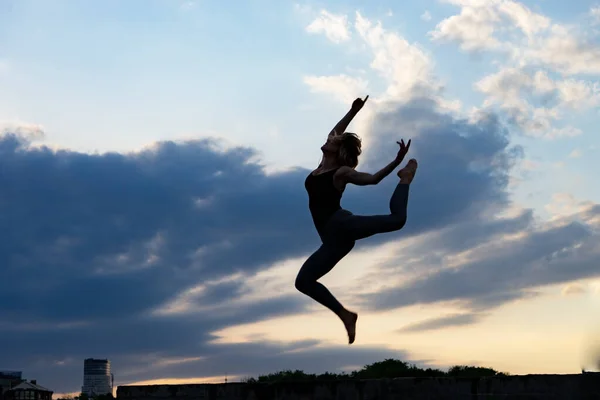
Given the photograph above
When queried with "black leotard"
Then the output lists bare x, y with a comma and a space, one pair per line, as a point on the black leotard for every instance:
323, 197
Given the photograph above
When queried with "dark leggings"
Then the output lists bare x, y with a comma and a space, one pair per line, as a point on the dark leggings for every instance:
339, 236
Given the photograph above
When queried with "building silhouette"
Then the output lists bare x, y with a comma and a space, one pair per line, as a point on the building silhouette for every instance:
8, 380
28, 391
97, 378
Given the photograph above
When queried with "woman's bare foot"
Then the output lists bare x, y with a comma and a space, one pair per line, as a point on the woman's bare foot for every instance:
407, 173
349, 319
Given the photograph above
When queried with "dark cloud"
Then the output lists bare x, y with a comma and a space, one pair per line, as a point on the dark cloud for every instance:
463, 166
441, 322
504, 270
91, 246
96, 225
459, 200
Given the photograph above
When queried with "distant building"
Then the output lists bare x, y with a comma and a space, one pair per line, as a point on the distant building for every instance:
97, 378
8, 380
28, 391
13, 374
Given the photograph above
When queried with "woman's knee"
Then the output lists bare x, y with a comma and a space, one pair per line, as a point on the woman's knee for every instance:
302, 284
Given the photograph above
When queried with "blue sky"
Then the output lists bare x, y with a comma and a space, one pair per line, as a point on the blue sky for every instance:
153, 155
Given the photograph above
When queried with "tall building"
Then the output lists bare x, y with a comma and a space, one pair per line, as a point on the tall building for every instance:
97, 378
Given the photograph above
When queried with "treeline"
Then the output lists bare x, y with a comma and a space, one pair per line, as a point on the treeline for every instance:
83, 396
389, 368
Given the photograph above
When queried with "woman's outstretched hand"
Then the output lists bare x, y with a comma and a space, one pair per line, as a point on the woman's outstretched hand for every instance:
403, 149
359, 103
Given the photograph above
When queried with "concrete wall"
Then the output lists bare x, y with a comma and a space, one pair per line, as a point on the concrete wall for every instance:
527, 387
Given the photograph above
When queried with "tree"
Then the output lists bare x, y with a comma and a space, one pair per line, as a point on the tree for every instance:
391, 368
467, 371
388, 368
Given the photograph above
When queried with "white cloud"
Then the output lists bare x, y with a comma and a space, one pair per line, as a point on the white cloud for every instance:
577, 94
564, 50
426, 16
32, 132
335, 27
564, 205
525, 19
473, 28
595, 14
345, 88
405, 68
534, 101
479, 20
492, 25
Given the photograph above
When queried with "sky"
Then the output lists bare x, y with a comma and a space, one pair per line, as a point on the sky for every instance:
152, 204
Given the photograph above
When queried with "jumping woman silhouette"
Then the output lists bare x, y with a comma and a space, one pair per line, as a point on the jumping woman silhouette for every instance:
337, 227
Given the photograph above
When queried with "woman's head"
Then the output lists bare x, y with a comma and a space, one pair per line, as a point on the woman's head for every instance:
345, 148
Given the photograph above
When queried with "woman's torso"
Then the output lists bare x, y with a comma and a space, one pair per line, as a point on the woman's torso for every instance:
323, 197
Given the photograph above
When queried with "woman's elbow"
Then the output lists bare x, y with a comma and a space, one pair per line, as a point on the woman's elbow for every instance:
374, 180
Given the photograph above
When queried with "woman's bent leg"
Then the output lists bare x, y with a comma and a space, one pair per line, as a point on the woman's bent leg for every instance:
316, 266
358, 227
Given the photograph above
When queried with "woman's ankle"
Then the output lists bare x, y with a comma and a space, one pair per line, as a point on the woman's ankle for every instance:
407, 173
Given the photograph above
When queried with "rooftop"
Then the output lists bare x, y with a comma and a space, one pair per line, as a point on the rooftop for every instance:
30, 386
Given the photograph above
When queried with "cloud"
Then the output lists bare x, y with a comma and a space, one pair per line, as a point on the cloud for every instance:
405, 68
345, 88
426, 16
128, 219
464, 231
565, 50
484, 256
465, 252
532, 87
526, 20
565, 204
503, 266
595, 14
533, 101
480, 24
334, 26
33, 132
528, 38
456, 320
573, 289
122, 262
150, 252
473, 29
